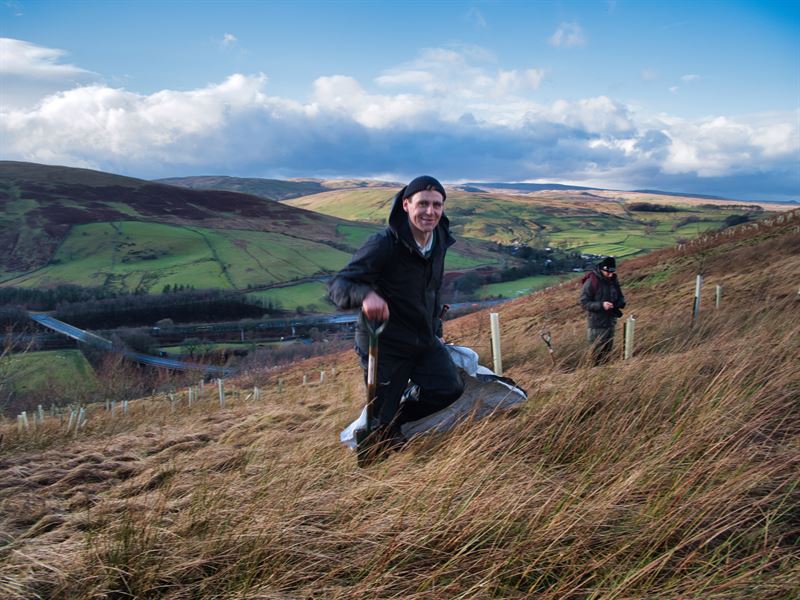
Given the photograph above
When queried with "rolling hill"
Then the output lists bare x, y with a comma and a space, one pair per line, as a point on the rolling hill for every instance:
64, 225
669, 475
596, 222
272, 189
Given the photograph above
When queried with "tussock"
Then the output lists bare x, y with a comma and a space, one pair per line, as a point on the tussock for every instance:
671, 475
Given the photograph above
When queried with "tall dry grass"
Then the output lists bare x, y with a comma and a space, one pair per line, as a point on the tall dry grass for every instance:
671, 475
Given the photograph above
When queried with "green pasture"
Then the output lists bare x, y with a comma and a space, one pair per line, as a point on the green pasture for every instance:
49, 371
368, 205
455, 261
608, 249
520, 287
693, 229
133, 255
183, 350
355, 235
311, 295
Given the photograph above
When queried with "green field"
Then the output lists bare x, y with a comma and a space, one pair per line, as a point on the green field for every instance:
356, 234
57, 372
183, 350
132, 255
521, 287
586, 225
312, 296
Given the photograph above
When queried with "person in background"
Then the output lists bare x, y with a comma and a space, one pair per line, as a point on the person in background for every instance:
602, 299
396, 277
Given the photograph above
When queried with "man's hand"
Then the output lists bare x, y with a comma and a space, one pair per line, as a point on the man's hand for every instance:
608, 305
375, 307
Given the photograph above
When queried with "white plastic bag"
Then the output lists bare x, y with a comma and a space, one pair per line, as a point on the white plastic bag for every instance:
484, 393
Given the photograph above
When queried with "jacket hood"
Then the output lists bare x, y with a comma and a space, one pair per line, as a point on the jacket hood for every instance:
398, 223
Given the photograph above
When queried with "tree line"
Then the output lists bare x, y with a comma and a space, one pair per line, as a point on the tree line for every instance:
96, 308
532, 261
182, 307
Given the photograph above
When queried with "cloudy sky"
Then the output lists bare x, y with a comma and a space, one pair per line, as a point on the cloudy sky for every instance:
696, 96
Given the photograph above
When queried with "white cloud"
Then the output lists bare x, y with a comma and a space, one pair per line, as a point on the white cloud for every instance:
228, 39
600, 116
568, 35
14, 7
459, 80
29, 72
719, 146
689, 78
673, 89
454, 112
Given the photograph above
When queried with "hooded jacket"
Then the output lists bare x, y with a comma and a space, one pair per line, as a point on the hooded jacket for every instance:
391, 264
596, 290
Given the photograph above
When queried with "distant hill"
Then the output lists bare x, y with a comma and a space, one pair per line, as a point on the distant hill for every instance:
524, 187
66, 225
587, 220
273, 189
680, 194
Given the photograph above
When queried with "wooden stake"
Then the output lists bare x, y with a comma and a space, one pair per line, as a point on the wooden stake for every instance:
221, 389
718, 296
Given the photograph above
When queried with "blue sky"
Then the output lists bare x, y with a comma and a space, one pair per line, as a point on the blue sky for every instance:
685, 96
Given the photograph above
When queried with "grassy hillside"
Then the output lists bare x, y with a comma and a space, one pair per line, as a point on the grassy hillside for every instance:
520, 287
670, 475
62, 225
134, 255
599, 222
41, 204
51, 374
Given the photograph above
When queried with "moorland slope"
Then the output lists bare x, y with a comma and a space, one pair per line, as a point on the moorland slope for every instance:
593, 222
669, 475
65, 225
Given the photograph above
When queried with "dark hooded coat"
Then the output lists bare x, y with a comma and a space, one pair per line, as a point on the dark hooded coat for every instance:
391, 264
596, 290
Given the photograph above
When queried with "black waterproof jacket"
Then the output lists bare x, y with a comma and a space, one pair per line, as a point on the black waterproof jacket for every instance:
596, 290
390, 263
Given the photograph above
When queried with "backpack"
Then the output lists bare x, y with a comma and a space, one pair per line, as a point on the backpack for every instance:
595, 283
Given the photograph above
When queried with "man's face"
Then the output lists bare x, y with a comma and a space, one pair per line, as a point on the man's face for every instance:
424, 210
607, 274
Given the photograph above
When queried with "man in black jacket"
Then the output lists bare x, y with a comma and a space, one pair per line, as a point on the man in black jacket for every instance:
396, 277
602, 299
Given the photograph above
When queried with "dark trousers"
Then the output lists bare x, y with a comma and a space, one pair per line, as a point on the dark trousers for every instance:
430, 368
602, 341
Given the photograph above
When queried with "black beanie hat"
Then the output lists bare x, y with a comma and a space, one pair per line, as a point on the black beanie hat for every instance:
608, 264
423, 182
